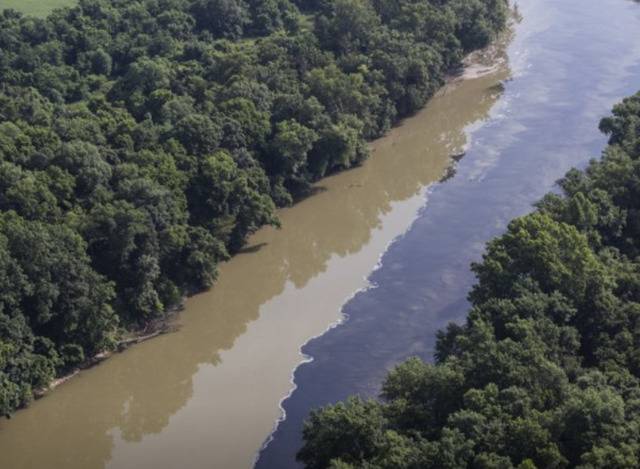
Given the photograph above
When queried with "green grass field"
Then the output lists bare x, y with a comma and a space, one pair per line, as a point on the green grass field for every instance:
35, 7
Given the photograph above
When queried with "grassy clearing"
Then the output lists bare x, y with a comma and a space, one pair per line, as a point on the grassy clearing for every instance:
35, 7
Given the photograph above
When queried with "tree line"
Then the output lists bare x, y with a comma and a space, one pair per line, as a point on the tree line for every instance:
141, 141
546, 370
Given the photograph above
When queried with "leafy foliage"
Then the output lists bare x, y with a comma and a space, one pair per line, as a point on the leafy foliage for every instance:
141, 141
546, 370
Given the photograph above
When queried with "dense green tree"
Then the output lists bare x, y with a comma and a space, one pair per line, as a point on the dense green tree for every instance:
223, 18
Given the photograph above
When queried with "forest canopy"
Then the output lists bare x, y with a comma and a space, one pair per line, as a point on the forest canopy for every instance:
546, 370
141, 141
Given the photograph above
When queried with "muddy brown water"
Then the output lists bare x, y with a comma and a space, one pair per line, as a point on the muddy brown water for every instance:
209, 394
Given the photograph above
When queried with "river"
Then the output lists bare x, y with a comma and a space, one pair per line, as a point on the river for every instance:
209, 394
571, 60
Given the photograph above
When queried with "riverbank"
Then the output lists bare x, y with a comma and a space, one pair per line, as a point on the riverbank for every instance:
157, 328
475, 65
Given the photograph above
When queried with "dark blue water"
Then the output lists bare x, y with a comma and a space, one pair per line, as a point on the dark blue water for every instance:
571, 61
